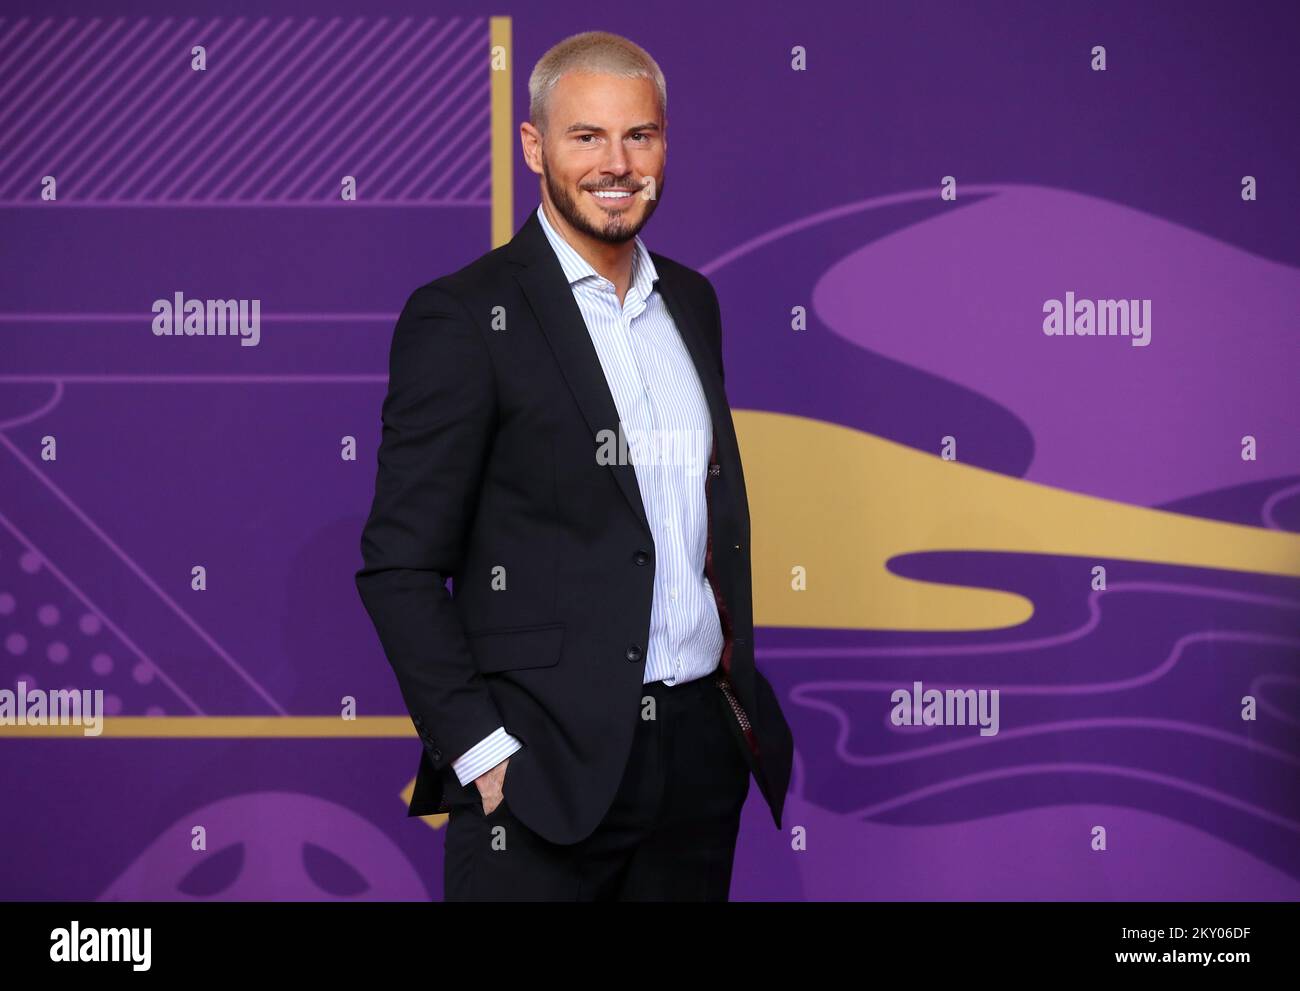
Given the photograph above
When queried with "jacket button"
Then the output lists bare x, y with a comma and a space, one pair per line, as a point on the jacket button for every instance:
641, 557
634, 653
436, 755
737, 547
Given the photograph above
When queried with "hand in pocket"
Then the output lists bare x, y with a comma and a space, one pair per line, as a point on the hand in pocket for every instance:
490, 787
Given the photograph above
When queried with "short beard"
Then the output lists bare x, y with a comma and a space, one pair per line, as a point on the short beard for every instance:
615, 230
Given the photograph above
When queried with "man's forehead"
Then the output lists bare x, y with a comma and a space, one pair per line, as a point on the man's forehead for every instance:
575, 93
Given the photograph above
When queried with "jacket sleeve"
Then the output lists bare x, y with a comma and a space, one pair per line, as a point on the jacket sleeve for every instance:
438, 418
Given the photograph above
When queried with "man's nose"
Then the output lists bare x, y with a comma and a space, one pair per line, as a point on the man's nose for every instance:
616, 160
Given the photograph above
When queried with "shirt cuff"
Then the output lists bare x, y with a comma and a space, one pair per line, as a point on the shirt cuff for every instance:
485, 755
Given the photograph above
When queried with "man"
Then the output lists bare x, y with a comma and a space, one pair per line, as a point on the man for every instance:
586, 696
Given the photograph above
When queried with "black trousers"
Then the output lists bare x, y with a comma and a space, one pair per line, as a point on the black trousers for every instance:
670, 834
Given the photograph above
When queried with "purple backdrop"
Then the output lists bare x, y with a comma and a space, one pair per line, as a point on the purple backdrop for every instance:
818, 188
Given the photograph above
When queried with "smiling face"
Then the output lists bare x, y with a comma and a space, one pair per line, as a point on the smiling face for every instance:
602, 157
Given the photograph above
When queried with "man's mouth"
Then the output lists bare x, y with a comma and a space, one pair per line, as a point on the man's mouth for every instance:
612, 196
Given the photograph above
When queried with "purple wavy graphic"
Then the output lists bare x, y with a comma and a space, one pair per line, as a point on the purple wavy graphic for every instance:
1151, 424
1124, 702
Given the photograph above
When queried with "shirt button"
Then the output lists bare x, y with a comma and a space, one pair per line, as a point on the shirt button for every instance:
673, 593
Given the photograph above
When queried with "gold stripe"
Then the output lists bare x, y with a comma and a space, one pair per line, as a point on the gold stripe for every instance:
503, 203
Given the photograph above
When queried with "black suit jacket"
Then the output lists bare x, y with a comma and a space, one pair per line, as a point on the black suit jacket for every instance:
488, 476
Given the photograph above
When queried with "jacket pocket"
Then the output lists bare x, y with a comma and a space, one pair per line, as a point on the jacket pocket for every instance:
515, 647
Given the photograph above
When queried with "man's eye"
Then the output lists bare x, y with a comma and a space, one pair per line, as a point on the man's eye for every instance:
583, 137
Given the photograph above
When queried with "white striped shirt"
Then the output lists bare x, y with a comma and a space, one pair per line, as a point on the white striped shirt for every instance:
657, 393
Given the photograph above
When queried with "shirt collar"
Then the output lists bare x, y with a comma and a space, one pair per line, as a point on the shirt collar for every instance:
576, 268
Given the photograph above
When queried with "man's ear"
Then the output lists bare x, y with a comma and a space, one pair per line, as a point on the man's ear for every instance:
530, 140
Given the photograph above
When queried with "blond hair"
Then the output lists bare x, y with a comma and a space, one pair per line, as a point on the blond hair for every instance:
595, 52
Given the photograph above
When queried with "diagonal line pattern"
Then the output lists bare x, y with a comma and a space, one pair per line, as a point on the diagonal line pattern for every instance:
418, 144
24, 68
151, 58
206, 103
337, 146
447, 146
324, 90
250, 97
12, 37
284, 108
60, 69
70, 115
424, 100
275, 95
